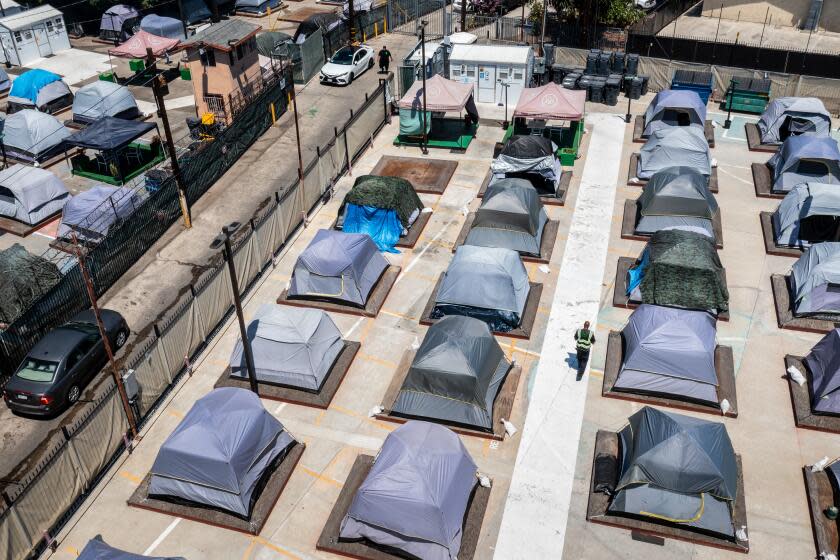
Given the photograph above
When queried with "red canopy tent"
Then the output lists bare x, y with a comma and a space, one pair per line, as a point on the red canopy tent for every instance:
441, 95
137, 45
551, 102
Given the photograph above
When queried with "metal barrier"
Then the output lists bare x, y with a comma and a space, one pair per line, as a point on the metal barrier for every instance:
404, 17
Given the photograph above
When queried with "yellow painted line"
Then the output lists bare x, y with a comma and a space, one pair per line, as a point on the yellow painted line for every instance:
365, 331
485, 448
544, 310
133, 478
519, 350
398, 315
247, 553
596, 373
71, 550
175, 413
441, 243
320, 417
348, 412
375, 360
275, 548
320, 476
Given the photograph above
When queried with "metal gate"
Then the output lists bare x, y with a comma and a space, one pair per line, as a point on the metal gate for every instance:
404, 16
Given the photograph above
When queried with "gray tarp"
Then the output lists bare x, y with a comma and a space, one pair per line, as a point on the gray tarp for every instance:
671, 108
670, 352
676, 197
511, 216
455, 376
220, 451
677, 469
338, 266
824, 364
815, 280
30, 194
161, 26
91, 213
529, 157
292, 346
50, 93
805, 158
96, 549
675, 147
486, 283
415, 496
33, 136
103, 99
809, 213
792, 116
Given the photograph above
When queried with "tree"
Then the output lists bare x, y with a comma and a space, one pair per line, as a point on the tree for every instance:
616, 13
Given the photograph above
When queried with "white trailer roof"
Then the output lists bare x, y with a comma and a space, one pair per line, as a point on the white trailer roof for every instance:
25, 20
490, 54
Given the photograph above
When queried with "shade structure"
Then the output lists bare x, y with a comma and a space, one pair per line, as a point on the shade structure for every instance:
680, 269
551, 102
670, 108
103, 99
677, 469
90, 214
24, 279
442, 95
97, 549
669, 352
142, 40
679, 146
220, 451
39, 89
511, 216
815, 280
455, 376
824, 364
805, 158
336, 266
485, 283
793, 116
809, 213
30, 194
31, 135
677, 197
415, 497
117, 22
292, 346
161, 26
532, 158
109, 133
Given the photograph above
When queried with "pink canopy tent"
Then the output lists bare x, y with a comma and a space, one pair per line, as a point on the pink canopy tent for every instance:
137, 45
442, 95
551, 102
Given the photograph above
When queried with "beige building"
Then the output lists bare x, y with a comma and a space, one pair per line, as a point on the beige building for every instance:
224, 66
785, 13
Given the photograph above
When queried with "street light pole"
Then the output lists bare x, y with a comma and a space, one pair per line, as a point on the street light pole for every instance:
424, 148
505, 85
730, 92
223, 240
627, 116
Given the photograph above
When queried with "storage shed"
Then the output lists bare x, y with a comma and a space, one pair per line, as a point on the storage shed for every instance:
485, 66
33, 34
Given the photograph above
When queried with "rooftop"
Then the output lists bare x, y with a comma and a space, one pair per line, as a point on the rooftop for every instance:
221, 35
25, 19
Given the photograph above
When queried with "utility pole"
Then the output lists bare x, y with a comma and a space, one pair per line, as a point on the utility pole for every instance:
542, 32
423, 146
463, 15
157, 90
351, 17
129, 414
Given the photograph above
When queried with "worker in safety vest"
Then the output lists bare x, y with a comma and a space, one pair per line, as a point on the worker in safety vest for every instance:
584, 339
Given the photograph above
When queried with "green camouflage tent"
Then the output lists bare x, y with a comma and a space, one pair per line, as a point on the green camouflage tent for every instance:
389, 193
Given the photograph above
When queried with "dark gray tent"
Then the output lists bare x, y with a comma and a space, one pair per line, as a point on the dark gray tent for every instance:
118, 23
161, 26
793, 116
195, 11
338, 266
529, 157
91, 213
455, 376
805, 158
511, 216
31, 135
669, 108
103, 99
96, 549
809, 213
415, 497
824, 364
30, 194
679, 470
485, 283
669, 352
815, 279
292, 346
677, 197
217, 456
324, 21
272, 43
679, 146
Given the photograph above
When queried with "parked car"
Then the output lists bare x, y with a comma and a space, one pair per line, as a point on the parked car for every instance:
347, 64
59, 367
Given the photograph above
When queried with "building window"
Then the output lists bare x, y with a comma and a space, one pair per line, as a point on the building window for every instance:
208, 57
49, 26
239, 52
18, 38
456, 72
58, 23
471, 71
503, 74
517, 74
27, 35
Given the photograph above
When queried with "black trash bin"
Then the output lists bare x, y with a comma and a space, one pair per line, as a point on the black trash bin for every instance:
631, 65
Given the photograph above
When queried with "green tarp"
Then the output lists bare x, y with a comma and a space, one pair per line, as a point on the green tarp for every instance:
411, 122
390, 193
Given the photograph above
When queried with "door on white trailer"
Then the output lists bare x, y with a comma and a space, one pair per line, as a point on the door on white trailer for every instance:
42, 40
486, 84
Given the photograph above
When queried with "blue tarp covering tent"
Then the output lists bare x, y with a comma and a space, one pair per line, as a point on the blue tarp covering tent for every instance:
168, 27
383, 226
28, 84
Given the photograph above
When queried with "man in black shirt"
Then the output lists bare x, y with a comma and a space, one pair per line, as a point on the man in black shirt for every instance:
384, 60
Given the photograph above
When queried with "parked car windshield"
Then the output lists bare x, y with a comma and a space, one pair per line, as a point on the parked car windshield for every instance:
343, 56
39, 371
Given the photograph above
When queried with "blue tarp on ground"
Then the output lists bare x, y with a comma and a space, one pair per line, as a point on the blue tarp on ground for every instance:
635, 275
28, 84
382, 225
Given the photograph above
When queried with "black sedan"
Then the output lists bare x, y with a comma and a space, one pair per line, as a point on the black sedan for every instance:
60, 365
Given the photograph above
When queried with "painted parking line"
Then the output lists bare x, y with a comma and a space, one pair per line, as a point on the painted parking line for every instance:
162, 537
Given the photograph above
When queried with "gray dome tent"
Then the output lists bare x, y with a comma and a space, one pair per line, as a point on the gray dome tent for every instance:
161, 26
679, 146
669, 352
225, 445
455, 376
677, 197
805, 158
91, 213
292, 346
117, 23
96, 549
824, 364
529, 157
485, 283
415, 497
669, 108
49, 98
33, 136
675, 469
338, 266
29, 194
793, 116
511, 216
814, 280
809, 213
103, 99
